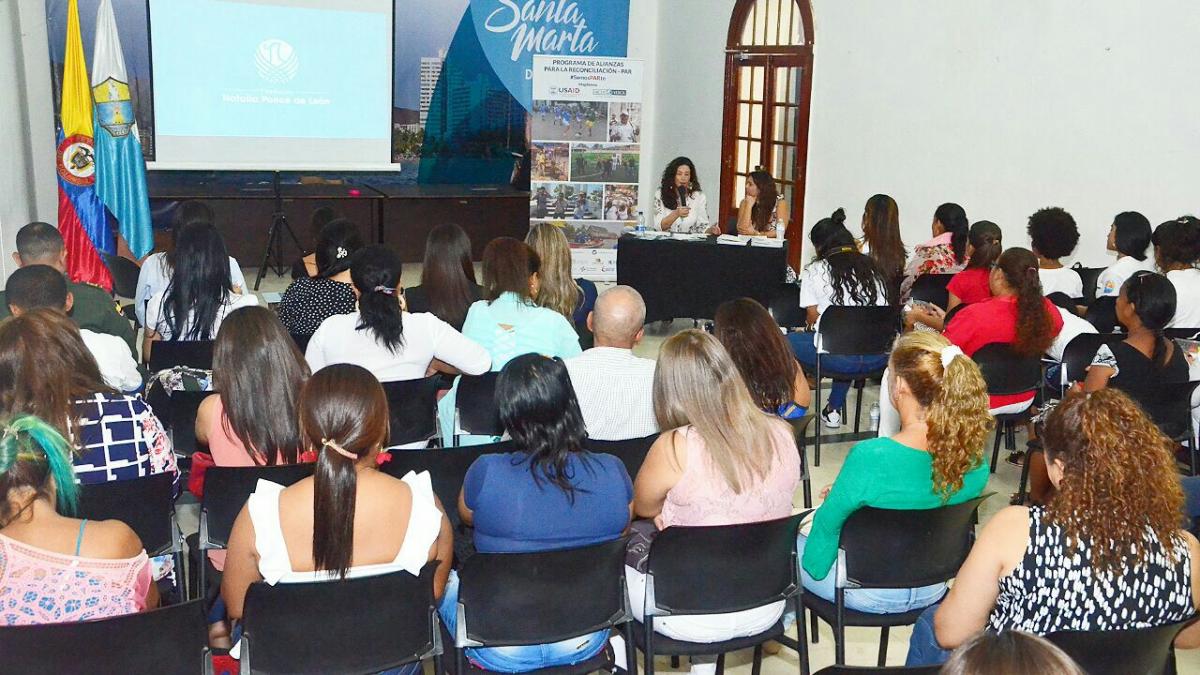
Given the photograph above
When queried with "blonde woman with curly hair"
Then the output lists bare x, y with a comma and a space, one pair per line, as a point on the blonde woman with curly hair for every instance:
1106, 554
573, 298
935, 459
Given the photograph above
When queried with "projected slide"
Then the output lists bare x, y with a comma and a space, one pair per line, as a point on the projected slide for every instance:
272, 83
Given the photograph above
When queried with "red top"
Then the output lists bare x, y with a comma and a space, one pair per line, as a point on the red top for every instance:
971, 285
994, 320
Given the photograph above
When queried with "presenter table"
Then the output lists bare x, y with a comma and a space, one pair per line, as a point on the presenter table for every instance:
690, 279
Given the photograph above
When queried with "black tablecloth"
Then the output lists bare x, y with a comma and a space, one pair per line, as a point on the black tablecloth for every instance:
690, 279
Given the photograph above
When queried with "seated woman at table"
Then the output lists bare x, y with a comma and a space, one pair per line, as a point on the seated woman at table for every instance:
763, 357
840, 276
763, 211
689, 216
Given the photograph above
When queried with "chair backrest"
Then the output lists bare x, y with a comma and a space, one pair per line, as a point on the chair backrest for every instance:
631, 452
785, 307
226, 490
719, 569
1102, 313
146, 505
1168, 404
477, 410
169, 641
1089, 275
301, 341
859, 330
1137, 651
447, 469
1005, 372
1080, 351
170, 353
879, 544
1182, 333
181, 419
362, 625
412, 409
931, 288
544, 597
124, 274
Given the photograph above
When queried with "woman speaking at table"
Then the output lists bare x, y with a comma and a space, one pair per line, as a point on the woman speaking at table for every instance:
679, 205
763, 211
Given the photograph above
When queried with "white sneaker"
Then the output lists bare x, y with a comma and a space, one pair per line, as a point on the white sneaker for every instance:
832, 419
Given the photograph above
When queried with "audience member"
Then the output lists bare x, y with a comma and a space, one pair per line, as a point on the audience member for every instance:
573, 298
46, 370
43, 287
348, 519
448, 285
723, 461
1009, 653
1073, 327
550, 493
840, 276
935, 459
309, 300
158, 268
92, 307
945, 253
763, 357
1129, 237
614, 387
1177, 252
984, 245
199, 293
55, 568
1112, 530
306, 265
1053, 235
881, 238
386, 339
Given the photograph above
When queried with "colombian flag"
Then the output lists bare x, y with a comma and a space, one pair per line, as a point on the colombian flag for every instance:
81, 215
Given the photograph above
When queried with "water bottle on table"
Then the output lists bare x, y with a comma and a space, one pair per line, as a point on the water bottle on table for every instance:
640, 227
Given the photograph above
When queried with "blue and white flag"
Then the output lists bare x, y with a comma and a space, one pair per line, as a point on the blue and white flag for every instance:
120, 168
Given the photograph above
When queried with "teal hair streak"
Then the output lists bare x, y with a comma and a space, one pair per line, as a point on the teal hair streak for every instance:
24, 439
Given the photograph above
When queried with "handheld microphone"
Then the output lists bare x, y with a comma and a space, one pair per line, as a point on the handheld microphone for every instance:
682, 191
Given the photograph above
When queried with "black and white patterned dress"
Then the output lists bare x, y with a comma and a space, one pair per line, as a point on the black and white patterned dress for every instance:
308, 302
1050, 591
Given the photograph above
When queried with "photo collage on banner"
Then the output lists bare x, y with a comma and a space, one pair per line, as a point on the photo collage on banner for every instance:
586, 128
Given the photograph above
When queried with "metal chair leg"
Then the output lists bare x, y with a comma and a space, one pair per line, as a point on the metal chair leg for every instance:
756, 669
648, 654
674, 660
996, 448
858, 403
816, 628
801, 638
819, 421
721, 664
883, 642
631, 666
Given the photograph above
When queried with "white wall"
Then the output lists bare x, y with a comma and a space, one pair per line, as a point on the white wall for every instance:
1004, 107
643, 44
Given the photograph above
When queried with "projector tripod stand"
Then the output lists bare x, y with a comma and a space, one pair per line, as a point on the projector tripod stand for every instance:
273, 255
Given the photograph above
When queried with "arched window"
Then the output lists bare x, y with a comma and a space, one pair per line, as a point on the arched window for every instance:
768, 84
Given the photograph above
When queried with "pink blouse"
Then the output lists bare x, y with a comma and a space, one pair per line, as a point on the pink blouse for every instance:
39, 586
702, 497
225, 447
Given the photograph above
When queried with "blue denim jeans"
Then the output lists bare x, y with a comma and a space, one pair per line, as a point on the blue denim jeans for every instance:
871, 600
833, 364
923, 647
524, 658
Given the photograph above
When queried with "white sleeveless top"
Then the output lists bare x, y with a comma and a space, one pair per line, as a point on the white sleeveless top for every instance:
424, 525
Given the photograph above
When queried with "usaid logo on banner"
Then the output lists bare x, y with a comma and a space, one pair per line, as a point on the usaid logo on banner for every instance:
511, 32
276, 61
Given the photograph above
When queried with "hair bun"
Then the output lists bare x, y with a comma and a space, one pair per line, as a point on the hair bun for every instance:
839, 216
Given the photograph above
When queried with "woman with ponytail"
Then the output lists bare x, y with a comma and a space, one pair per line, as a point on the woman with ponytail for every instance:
935, 459
945, 253
383, 337
55, 568
348, 519
840, 276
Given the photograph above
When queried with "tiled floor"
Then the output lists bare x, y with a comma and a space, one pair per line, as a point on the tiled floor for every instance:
862, 644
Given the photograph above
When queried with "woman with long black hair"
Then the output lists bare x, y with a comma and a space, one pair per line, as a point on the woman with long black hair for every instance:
200, 292
309, 300
881, 236
763, 211
348, 519
383, 337
689, 215
550, 493
945, 253
448, 286
840, 276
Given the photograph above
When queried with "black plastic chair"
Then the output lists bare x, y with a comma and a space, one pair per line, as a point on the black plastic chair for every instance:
1089, 276
785, 307
447, 469
362, 625
146, 505
1102, 313
170, 353
882, 548
168, 641
1004, 373
510, 599
301, 341
868, 670
125, 277
226, 490
631, 452
1078, 355
716, 570
477, 413
1138, 651
180, 418
1169, 406
1183, 333
931, 288
412, 409
852, 331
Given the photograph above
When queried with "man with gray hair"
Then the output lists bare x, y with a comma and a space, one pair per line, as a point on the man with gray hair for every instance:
614, 387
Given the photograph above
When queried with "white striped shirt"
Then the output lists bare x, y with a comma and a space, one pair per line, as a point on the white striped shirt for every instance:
615, 392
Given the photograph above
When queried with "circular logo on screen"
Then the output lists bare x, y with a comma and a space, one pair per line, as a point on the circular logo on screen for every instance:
276, 61
77, 160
